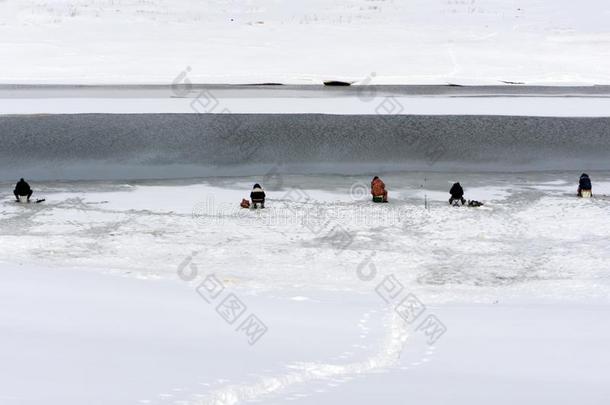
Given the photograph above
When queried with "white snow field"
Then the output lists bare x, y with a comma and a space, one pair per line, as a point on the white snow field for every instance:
411, 41
107, 297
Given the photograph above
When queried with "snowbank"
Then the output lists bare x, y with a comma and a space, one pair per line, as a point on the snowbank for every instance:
418, 41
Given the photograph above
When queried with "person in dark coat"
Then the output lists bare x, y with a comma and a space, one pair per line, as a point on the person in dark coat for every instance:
22, 188
457, 194
584, 184
257, 196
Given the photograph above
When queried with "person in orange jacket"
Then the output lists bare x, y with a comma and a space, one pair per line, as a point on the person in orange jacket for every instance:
378, 190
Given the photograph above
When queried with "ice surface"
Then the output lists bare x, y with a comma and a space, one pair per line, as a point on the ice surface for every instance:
531, 232
497, 105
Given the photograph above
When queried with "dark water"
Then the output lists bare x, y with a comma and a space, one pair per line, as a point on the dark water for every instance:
175, 145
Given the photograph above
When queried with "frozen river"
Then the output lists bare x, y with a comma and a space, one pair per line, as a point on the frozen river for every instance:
188, 130
140, 281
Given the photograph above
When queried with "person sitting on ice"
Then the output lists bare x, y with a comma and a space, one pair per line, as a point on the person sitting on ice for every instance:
584, 186
257, 196
378, 190
22, 190
457, 194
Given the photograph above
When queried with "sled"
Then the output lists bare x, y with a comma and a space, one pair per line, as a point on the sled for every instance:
586, 193
474, 203
378, 199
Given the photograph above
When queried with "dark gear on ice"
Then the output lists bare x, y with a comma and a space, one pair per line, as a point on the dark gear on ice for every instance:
257, 196
457, 194
378, 190
584, 186
22, 189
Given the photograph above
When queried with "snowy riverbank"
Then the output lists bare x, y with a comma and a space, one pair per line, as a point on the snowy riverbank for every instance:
558, 42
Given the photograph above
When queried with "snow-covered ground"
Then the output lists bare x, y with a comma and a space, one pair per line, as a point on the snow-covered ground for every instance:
415, 41
102, 300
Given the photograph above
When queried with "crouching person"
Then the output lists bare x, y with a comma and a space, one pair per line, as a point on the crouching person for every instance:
457, 194
584, 186
22, 191
380, 194
257, 196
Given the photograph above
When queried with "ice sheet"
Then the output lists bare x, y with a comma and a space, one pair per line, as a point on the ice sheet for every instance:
532, 231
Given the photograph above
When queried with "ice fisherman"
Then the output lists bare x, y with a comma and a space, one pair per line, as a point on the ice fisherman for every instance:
22, 189
257, 196
380, 194
457, 194
584, 186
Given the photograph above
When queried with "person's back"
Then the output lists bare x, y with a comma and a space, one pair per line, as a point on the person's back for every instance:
457, 193
22, 189
378, 190
584, 185
585, 182
257, 196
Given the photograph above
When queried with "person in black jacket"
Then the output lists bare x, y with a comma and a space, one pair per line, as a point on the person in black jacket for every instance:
584, 184
257, 196
457, 194
22, 188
